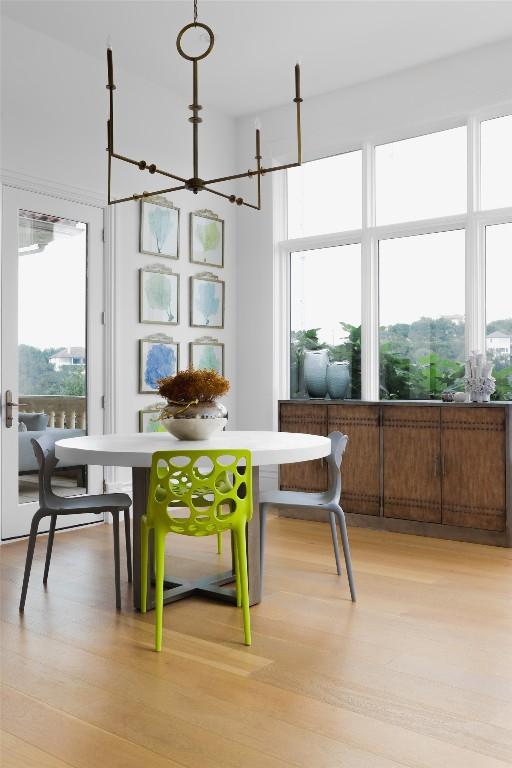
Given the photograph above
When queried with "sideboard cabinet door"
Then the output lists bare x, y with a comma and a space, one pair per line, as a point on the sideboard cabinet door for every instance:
412, 483
473, 459
304, 475
360, 469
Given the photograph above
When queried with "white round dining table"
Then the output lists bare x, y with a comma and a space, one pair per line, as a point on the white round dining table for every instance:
136, 451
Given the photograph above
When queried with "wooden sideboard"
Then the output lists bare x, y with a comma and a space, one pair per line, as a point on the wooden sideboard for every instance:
429, 468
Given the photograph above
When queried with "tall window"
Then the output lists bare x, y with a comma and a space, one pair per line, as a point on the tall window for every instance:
400, 239
497, 162
325, 322
421, 330
498, 253
325, 195
421, 178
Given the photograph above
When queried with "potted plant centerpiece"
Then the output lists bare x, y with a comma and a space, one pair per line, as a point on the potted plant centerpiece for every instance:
192, 411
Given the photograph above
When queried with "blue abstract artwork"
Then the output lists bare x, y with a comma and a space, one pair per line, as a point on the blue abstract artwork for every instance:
158, 359
159, 230
207, 303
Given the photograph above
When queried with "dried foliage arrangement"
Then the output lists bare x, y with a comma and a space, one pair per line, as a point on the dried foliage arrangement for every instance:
200, 386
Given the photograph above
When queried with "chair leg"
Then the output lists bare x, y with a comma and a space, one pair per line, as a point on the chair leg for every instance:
128, 540
346, 551
334, 535
159, 586
263, 540
49, 548
30, 555
117, 566
234, 544
144, 546
219, 543
244, 583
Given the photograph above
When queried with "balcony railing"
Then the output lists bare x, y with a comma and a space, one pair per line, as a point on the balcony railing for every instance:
64, 411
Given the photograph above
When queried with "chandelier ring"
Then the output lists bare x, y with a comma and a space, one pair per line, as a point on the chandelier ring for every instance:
210, 34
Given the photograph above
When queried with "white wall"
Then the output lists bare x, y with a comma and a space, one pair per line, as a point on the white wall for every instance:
425, 98
54, 104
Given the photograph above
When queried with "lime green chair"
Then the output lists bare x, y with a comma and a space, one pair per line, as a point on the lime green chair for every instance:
197, 493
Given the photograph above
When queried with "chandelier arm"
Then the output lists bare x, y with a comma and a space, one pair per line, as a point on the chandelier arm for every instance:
233, 198
144, 195
143, 166
249, 174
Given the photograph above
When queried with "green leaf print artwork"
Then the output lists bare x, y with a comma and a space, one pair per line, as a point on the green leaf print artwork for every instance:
207, 241
158, 293
160, 229
153, 425
160, 225
209, 235
209, 359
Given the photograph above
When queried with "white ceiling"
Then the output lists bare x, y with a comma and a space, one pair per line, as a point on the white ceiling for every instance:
339, 42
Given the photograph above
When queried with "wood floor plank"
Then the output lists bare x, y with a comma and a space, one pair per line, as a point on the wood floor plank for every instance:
418, 673
70, 739
16, 752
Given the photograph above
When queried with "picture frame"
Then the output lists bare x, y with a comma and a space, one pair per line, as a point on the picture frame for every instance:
206, 238
159, 228
206, 301
159, 295
207, 353
146, 423
159, 356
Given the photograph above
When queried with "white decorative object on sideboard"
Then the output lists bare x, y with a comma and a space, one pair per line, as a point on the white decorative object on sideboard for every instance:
478, 382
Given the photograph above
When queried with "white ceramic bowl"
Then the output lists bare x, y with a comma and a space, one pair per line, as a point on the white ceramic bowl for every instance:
194, 429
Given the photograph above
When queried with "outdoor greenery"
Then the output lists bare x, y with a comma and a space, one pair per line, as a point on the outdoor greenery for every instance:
39, 377
418, 361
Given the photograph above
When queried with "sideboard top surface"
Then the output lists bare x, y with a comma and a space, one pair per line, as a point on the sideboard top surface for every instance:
322, 401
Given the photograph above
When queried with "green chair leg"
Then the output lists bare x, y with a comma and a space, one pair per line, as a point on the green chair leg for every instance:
219, 543
244, 585
234, 544
159, 586
144, 543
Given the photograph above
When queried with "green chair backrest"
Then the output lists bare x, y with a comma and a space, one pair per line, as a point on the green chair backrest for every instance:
215, 487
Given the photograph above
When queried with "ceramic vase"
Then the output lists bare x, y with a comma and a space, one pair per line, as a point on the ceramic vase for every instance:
315, 372
195, 421
338, 379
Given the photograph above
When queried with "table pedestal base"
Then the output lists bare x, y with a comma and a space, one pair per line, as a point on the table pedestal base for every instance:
211, 586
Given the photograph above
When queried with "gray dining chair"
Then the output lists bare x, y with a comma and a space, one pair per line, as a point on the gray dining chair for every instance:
51, 505
328, 500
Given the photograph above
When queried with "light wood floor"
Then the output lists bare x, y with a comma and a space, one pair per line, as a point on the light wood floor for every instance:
417, 673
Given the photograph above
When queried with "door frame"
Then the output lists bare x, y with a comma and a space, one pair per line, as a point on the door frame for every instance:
29, 184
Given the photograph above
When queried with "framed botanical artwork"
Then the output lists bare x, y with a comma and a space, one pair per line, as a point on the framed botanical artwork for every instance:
206, 238
206, 301
159, 290
207, 353
159, 357
159, 228
149, 422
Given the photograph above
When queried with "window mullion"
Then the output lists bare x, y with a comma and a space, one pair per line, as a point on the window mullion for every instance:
475, 250
369, 283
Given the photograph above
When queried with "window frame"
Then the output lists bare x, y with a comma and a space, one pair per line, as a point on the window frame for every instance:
473, 221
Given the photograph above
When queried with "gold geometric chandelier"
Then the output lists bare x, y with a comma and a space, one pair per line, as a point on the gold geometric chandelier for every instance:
195, 183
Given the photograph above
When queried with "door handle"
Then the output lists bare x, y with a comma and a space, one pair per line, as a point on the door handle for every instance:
443, 466
9, 405
436, 466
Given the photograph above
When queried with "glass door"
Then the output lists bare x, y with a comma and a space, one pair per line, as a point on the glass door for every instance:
52, 347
